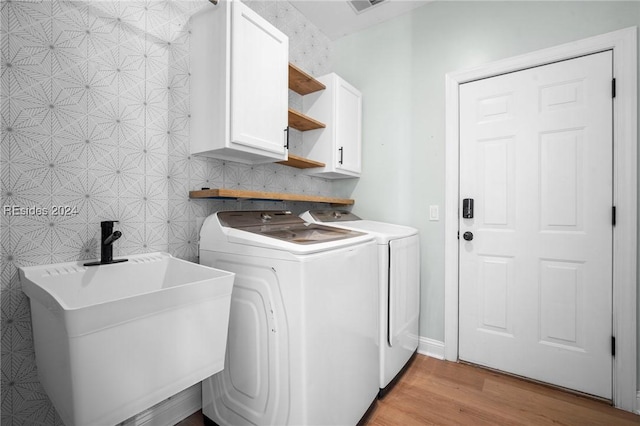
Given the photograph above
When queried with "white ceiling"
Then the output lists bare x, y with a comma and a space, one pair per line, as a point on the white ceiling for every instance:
336, 18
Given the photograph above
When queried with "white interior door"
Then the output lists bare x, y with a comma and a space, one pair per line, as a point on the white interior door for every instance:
536, 279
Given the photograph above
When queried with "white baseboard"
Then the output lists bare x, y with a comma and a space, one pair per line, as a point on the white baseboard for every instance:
431, 347
638, 403
170, 411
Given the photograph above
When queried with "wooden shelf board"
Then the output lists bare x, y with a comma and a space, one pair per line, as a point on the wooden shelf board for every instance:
301, 162
258, 195
301, 122
303, 83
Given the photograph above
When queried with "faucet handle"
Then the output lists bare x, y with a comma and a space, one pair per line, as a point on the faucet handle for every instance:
107, 225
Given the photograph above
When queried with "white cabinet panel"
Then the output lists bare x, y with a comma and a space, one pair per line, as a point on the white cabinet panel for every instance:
338, 145
239, 85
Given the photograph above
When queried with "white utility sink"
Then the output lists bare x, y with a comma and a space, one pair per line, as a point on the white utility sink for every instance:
113, 340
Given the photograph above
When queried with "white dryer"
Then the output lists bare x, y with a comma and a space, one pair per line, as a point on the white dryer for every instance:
302, 345
399, 287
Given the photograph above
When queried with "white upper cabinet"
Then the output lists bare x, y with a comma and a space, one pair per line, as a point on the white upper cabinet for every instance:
239, 85
338, 145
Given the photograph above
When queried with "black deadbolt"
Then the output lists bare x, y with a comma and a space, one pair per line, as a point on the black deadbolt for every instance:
467, 208
468, 236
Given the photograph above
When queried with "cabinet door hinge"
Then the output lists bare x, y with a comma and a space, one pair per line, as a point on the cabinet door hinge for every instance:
613, 215
613, 88
613, 346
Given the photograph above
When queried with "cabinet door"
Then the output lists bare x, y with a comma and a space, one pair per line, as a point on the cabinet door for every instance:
259, 83
348, 119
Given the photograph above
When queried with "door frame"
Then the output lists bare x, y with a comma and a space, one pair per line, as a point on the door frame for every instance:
625, 192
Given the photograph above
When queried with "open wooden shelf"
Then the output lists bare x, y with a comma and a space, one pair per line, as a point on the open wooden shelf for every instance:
301, 162
301, 82
259, 195
302, 122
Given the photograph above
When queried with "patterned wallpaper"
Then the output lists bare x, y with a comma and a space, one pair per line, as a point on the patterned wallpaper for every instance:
95, 126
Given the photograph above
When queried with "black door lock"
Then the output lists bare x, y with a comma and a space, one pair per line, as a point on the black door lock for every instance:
467, 208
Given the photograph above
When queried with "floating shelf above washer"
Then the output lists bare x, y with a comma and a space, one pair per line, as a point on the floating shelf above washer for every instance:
301, 162
301, 82
271, 196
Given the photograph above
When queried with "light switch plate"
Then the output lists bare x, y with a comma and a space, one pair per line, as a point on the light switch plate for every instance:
434, 213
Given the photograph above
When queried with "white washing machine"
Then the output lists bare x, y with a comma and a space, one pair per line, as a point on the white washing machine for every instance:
399, 287
302, 346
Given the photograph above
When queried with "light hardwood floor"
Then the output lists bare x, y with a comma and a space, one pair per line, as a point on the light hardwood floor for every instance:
434, 392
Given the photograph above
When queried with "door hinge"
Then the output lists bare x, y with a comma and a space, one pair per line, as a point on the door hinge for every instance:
613, 346
613, 88
613, 215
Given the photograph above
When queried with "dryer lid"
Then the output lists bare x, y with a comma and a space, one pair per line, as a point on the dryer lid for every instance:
384, 232
333, 216
283, 225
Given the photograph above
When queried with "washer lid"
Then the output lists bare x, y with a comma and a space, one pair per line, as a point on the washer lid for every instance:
283, 225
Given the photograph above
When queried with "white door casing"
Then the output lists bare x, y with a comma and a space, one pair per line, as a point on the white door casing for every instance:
535, 280
624, 46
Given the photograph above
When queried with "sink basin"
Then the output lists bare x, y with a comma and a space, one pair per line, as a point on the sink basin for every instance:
113, 340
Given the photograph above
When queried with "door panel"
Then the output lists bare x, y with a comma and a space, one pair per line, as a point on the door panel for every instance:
561, 189
494, 278
348, 127
561, 304
535, 280
497, 172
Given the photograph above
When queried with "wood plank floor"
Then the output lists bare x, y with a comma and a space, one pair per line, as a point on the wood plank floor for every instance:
434, 392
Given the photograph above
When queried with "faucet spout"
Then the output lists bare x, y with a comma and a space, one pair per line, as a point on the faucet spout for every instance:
111, 238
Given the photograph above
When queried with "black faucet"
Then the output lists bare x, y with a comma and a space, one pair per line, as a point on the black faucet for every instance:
106, 244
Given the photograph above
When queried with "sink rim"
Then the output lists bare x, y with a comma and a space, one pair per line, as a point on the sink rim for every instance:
36, 291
